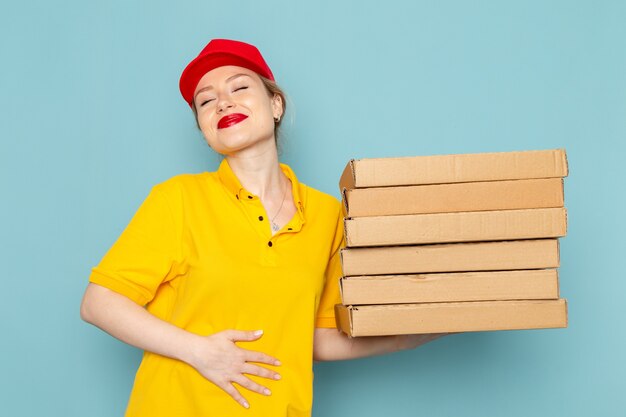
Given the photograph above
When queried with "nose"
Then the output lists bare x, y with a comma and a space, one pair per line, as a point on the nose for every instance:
223, 104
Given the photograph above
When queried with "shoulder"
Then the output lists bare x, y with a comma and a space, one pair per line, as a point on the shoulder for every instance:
320, 201
321, 197
183, 188
326, 212
313, 200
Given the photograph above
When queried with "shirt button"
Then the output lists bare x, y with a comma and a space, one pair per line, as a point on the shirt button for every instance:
269, 243
261, 218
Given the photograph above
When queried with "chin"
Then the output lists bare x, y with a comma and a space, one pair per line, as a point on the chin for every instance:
231, 145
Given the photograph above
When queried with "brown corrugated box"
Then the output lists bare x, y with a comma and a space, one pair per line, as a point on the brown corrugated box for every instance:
451, 257
451, 317
442, 169
456, 227
539, 284
452, 243
452, 198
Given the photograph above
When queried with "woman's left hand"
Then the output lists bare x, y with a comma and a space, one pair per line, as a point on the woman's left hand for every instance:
411, 341
334, 345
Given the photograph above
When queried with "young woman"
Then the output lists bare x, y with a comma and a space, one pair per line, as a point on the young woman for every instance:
230, 277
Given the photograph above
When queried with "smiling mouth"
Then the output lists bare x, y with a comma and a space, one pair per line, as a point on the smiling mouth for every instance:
230, 120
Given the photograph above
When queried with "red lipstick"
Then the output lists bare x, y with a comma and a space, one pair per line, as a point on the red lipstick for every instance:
231, 119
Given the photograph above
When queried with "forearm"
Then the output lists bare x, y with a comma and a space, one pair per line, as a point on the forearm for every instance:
333, 345
131, 323
362, 347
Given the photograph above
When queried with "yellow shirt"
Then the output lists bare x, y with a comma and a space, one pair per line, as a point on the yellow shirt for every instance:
200, 254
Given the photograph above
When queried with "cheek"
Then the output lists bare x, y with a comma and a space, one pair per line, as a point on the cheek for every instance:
264, 126
264, 114
207, 129
204, 120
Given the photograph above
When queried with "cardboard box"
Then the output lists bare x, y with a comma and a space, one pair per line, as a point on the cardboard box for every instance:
441, 169
538, 284
456, 227
452, 198
450, 317
453, 257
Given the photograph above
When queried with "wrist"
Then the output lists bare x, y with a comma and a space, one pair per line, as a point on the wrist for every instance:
190, 348
399, 342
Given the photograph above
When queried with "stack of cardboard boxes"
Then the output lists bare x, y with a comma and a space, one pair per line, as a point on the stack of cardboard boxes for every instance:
452, 243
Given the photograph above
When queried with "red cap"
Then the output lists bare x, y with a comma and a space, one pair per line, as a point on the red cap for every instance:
218, 53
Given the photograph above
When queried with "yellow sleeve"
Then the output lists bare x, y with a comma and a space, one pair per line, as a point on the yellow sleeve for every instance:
147, 253
330, 294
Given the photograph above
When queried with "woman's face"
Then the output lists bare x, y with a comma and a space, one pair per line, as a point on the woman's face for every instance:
235, 111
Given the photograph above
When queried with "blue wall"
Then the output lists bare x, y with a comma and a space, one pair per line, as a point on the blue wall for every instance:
91, 118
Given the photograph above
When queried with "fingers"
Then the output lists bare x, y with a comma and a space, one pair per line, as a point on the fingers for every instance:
254, 356
248, 384
251, 385
251, 369
411, 341
234, 392
227, 363
243, 336
438, 335
247, 336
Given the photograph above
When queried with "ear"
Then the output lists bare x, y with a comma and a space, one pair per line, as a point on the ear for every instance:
277, 106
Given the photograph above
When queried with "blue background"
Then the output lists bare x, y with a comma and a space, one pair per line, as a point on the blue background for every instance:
91, 118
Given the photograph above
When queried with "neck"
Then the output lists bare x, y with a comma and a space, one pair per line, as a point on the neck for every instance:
260, 174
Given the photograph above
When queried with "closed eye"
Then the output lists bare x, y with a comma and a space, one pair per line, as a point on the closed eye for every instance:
206, 101
240, 88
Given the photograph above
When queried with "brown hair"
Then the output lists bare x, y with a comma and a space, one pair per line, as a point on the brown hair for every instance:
272, 89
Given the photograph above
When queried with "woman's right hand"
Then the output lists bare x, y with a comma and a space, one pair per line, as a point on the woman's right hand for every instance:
222, 362
216, 357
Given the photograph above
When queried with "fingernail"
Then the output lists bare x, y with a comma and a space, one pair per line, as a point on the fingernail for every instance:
277, 376
267, 392
245, 404
258, 332
277, 363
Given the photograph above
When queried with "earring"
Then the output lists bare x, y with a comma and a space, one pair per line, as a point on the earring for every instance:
277, 119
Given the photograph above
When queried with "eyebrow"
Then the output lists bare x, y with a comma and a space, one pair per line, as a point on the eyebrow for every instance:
210, 87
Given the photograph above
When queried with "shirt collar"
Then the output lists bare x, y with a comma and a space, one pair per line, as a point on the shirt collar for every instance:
234, 187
